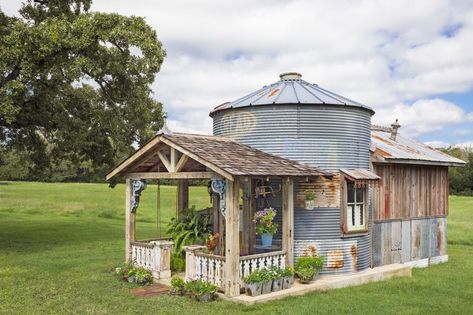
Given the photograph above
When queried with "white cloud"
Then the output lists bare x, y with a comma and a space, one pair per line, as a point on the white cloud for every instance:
437, 144
386, 54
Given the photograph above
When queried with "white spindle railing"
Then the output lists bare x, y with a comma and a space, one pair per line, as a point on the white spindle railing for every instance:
144, 255
250, 263
153, 255
212, 267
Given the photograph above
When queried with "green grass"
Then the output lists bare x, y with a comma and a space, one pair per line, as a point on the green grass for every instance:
59, 242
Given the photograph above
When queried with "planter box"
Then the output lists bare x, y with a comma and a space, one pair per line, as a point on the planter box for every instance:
205, 297
253, 289
287, 282
277, 285
309, 204
266, 287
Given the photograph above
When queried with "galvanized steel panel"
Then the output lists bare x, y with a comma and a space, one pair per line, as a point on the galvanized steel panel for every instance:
331, 137
330, 249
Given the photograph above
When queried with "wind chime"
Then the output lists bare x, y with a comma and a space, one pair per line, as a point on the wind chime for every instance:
262, 192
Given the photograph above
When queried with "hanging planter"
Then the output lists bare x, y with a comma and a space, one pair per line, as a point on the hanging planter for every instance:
265, 226
309, 199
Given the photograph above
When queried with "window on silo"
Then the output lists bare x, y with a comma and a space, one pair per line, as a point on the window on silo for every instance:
355, 211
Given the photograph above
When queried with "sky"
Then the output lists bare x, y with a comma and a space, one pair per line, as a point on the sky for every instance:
410, 60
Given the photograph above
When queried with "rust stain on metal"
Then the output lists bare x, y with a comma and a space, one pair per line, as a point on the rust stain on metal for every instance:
382, 152
439, 240
354, 255
273, 92
335, 259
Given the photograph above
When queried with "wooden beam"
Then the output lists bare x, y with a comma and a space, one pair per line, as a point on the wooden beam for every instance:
130, 222
133, 157
163, 175
211, 166
182, 197
232, 243
247, 217
172, 163
182, 161
288, 219
165, 161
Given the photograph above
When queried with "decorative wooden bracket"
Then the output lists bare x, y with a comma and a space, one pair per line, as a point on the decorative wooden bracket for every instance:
218, 186
137, 186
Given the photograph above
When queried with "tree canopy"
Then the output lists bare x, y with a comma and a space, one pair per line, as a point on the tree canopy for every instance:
75, 85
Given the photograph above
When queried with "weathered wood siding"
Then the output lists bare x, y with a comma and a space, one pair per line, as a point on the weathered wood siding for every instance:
410, 191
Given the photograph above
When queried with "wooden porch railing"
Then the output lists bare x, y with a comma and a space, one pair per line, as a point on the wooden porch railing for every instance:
212, 267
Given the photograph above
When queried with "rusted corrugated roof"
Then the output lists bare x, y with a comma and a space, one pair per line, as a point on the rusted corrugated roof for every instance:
407, 150
290, 89
360, 174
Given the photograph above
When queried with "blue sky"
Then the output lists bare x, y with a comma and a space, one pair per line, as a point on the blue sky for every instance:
407, 59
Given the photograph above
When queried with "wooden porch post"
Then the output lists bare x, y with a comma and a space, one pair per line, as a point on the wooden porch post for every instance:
130, 222
182, 196
232, 242
247, 217
288, 219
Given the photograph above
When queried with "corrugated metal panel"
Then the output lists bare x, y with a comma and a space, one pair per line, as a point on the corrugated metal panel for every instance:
331, 137
291, 89
360, 174
401, 241
340, 255
323, 224
407, 149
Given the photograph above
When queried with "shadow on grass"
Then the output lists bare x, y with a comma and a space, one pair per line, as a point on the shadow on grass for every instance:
21, 233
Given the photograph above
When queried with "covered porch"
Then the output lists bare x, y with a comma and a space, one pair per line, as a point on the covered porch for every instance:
238, 177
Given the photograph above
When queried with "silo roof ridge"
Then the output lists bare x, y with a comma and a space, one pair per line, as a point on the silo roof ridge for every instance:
291, 89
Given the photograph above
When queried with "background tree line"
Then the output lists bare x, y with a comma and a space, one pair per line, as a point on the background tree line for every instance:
461, 178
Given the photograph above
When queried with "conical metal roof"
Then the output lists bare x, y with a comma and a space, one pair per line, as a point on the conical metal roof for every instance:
290, 89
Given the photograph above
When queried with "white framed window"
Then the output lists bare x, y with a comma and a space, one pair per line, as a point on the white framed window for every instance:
355, 208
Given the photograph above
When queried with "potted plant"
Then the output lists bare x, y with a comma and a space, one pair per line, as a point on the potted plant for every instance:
202, 291
265, 226
287, 277
307, 267
309, 199
266, 279
177, 286
276, 276
253, 284
143, 276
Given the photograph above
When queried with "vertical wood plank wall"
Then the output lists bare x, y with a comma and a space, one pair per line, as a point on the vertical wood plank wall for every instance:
410, 206
410, 191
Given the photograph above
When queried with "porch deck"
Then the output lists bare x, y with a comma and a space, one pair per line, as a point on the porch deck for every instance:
327, 282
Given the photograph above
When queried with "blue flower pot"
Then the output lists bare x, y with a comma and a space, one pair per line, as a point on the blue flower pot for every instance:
266, 240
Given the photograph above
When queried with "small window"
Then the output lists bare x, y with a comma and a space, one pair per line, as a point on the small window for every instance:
355, 220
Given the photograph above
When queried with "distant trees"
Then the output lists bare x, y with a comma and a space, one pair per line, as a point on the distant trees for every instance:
461, 178
74, 90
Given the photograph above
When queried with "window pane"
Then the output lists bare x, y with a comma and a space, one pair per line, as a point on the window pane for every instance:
359, 194
350, 193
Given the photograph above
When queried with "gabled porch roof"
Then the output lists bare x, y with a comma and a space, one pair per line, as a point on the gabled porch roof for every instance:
179, 152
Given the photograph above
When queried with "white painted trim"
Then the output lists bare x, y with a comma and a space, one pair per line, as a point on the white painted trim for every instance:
438, 260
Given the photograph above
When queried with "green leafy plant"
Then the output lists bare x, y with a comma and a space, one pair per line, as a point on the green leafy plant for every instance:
134, 274
309, 195
177, 285
306, 273
178, 262
253, 277
193, 228
315, 262
199, 288
264, 221
287, 272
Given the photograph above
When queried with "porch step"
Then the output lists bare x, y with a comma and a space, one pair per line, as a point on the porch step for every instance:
327, 282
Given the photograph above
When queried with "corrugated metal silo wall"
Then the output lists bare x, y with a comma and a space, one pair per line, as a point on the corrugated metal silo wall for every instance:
330, 137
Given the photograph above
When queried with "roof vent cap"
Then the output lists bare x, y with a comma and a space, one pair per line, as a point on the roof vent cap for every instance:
290, 76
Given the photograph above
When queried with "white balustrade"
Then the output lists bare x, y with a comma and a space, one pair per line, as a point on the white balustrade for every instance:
154, 256
211, 268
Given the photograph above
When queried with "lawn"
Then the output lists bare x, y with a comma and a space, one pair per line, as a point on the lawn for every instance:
59, 242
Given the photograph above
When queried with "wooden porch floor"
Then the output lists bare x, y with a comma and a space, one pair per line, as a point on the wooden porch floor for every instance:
328, 282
